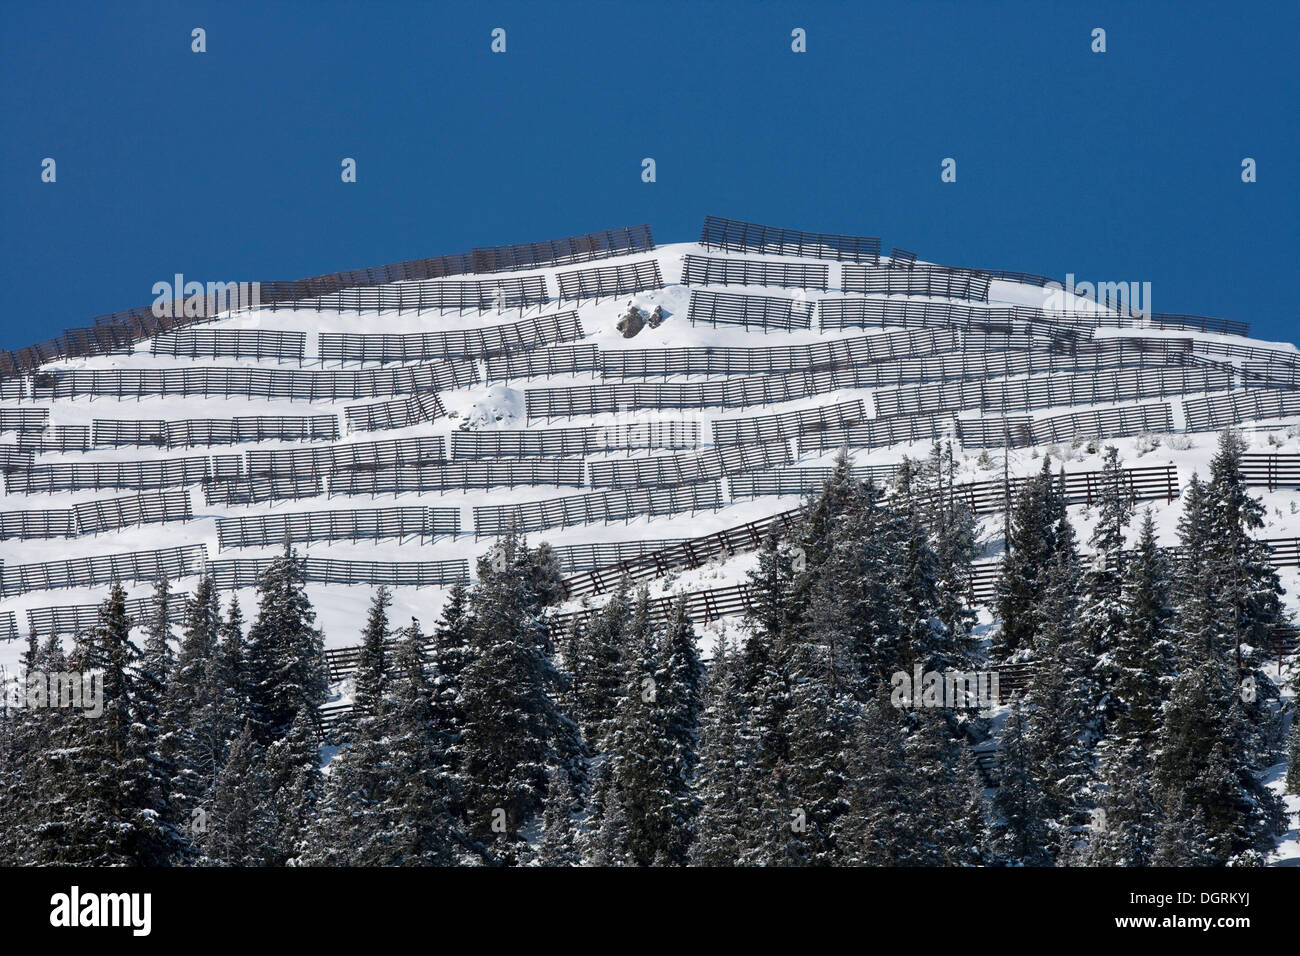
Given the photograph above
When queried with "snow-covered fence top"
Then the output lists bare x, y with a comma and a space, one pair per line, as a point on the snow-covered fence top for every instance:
711, 360
165, 433
566, 442
943, 281
561, 360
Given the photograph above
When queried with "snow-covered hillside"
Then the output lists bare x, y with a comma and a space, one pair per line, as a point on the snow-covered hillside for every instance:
490, 404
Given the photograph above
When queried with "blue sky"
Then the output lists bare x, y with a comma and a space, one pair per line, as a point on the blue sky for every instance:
1122, 166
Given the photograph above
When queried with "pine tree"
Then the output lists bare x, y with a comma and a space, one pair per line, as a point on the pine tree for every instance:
1020, 834
422, 801
511, 719
284, 659
596, 671
236, 828
451, 652
353, 826
1102, 613
559, 833
197, 739
1029, 550
116, 809
726, 782
293, 777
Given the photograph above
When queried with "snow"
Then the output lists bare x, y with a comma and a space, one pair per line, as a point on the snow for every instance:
501, 406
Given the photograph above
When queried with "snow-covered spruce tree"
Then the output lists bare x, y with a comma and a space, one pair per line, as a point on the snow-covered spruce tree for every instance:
644, 760
284, 659
450, 654
239, 820
1028, 551
230, 674
423, 802
116, 809
293, 776
826, 685
31, 787
1249, 590
596, 667
1020, 835
681, 679
1059, 718
726, 783
352, 825
559, 845
1293, 757
1213, 745
1141, 667
954, 534
1102, 611
197, 736
511, 720
923, 639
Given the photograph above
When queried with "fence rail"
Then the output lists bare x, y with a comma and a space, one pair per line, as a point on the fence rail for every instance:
253, 489
235, 343
229, 573
708, 270
462, 344
711, 360
472, 295
312, 386
366, 455
609, 244
103, 569
171, 433
762, 311
460, 476
574, 442
596, 284
736, 431
603, 506
669, 470
368, 524
920, 280
1217, 411
735, 236
398, 413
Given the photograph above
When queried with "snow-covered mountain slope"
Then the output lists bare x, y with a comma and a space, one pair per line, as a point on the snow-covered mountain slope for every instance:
485, 406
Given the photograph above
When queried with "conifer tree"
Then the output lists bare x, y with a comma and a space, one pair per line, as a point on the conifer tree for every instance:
1020, 835
511, 720
238, 822
423, 799
284, 659
559, 832
293, 777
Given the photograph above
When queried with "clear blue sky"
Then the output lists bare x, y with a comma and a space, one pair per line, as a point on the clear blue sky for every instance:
1123, 166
